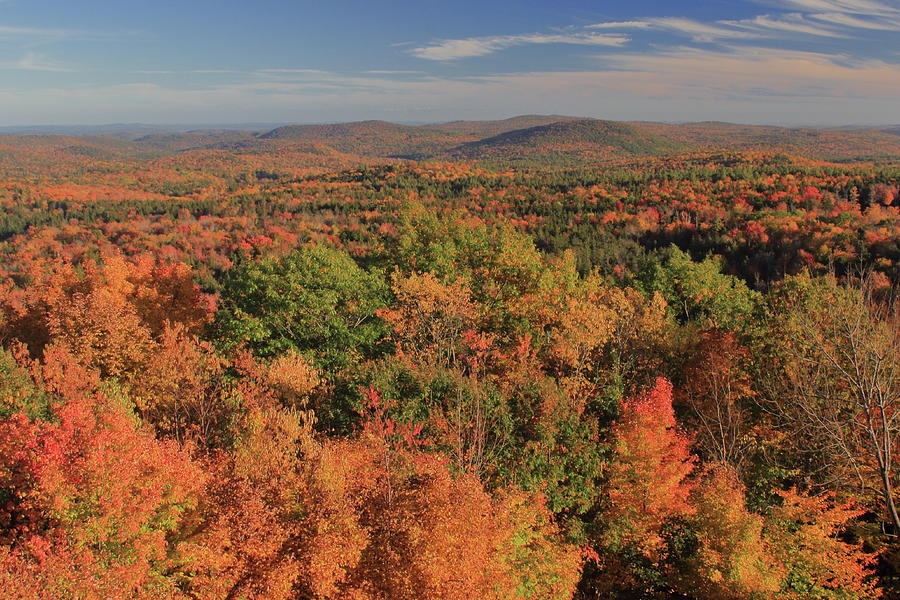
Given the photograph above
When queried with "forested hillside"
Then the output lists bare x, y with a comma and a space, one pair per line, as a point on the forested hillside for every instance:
300, 365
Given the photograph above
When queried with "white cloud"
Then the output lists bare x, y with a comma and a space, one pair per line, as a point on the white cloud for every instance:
871, 8
481, 46
846, 20
34, 62
747, 71
620, 25
757, 27
697, 31
827, 19
792, 23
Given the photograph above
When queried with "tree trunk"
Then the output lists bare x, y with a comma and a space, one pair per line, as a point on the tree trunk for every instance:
889, 500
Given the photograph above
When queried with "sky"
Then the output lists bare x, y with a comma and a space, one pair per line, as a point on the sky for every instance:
812, 62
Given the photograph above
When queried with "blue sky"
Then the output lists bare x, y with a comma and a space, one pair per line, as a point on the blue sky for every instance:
230, 61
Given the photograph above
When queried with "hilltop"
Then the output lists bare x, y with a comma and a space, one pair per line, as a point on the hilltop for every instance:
367, 138
480, 129
571, 140
846, 143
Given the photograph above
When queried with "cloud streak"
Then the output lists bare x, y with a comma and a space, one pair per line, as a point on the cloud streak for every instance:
34, 62
851, 21
794, 23
750, 71
761, 26
445, 50
621, 25
697, 31
871, 8
816, 18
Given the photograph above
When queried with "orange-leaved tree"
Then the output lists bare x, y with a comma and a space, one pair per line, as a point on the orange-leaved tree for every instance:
648, 489
93, 501
804, 533
647, 480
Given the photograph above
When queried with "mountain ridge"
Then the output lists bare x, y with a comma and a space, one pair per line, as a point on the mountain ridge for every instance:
554, 140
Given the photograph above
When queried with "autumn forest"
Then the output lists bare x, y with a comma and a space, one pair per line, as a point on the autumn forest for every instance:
545, 358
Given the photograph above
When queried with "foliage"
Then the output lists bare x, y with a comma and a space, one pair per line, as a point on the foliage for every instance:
699, 292
70, 527
314, 300
290, 366
728, 556
804, 532
648, 489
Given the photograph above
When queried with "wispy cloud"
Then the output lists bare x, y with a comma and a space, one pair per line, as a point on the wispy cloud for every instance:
846, 15
756, 27
696, 30
35, 62
480, 46
855, 7
819, 18
620, 25
793, 23
742, 71
846, 20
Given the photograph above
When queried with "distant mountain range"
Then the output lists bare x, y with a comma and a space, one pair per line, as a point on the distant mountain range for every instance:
530, 139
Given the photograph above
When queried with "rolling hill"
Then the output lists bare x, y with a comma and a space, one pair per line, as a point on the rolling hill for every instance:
847, 143
194, 139
367, 138
568, 141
